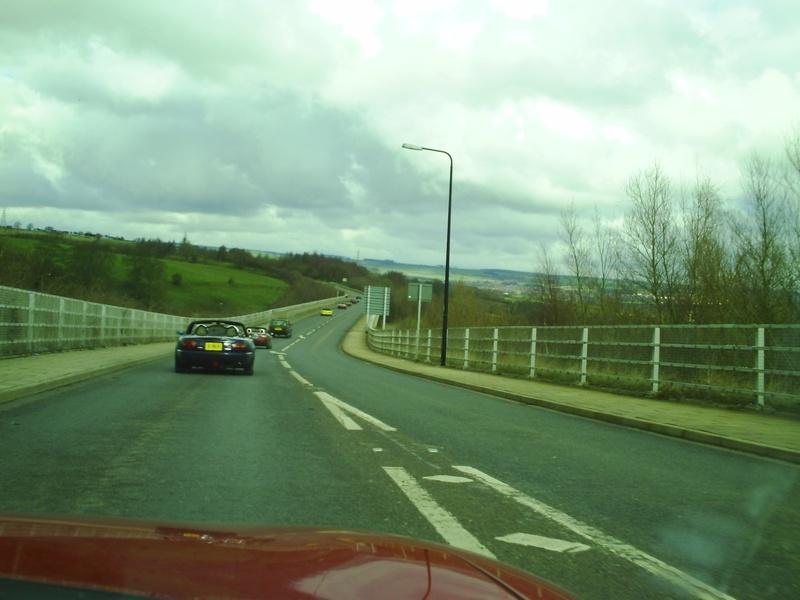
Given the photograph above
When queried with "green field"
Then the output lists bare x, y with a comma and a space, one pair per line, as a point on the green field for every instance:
206, 288
220, 289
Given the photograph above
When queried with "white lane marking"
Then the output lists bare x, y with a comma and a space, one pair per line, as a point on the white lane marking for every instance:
445, 523
299, 378
346, 421
641, 559
325, 397
538, 541
295, 374
449, 478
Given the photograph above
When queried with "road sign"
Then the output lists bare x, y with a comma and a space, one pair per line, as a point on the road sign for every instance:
415, 289
376, 302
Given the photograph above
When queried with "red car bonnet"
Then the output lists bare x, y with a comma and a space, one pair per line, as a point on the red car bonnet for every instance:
249, 562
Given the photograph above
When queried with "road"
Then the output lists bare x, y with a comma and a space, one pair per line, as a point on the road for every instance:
316, 437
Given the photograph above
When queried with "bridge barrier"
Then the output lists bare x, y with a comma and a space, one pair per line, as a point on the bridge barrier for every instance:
733, 364
32, 323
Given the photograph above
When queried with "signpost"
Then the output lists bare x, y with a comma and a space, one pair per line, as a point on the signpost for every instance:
421, 292
376, 302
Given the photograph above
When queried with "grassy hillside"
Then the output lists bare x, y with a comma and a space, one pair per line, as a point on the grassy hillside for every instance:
220, 289
189, 288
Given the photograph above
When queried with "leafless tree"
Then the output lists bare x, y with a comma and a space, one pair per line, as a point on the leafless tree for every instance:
651, 240
608, 283
706, 267
578, 257
763, 257
548, 290
792, 183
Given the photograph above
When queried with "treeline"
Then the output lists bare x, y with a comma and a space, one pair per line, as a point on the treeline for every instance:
682, 253
137, 274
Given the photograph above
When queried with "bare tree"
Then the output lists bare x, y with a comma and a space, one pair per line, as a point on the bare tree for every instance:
706, 266
792, 182
547, 289
608, 283
651, 240
578, 257
763, 263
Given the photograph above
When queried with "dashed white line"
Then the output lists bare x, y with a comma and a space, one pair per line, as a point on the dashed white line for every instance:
300, 378
445, 523
650, 563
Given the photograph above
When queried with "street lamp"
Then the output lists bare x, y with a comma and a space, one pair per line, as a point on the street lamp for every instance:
447, 252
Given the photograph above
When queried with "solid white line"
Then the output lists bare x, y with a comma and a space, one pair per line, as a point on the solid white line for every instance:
445, 523
655, 566
359, 413
346, 421
285, 364
539, 541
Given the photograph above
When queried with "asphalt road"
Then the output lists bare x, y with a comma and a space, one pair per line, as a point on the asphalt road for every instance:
316, 437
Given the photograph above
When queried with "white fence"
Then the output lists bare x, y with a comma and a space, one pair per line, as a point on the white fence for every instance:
34, 323
730, 363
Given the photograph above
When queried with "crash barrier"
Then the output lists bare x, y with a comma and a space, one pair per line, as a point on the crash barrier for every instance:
31, 322
741, 364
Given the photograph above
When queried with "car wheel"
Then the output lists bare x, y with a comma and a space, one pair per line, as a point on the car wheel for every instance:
179, 368
248, 370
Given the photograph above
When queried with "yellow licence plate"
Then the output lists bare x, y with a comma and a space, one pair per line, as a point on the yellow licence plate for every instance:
214, 346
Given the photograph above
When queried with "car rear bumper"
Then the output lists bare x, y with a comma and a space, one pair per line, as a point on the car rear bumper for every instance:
214, 360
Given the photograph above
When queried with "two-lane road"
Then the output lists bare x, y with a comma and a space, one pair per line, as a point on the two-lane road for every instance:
316, 437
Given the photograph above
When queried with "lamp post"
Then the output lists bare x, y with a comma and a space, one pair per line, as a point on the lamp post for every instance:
447, 251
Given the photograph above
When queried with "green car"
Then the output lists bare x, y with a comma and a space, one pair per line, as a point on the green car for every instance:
280, 328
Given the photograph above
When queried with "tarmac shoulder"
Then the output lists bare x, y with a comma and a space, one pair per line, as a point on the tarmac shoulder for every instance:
31, 374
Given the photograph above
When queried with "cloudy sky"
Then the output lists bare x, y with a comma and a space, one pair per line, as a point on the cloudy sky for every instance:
278, 124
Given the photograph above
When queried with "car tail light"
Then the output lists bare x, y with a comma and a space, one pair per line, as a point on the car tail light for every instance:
240, 346
189, 344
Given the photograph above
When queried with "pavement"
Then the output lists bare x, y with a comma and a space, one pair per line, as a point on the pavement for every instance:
764, 434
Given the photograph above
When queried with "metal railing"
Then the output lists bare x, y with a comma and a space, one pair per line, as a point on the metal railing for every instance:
31, 323
731, 363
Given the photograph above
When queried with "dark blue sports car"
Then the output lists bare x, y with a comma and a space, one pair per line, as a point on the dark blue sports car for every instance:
215, 344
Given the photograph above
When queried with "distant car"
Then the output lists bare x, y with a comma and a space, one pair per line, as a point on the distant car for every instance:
280, 328
342, 305
215, 344
260, 337
326, 312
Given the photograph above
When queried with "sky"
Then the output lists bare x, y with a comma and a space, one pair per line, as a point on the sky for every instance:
278, 125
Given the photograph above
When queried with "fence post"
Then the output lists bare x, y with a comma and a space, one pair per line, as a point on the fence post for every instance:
494, 351
85, 327
760, 367
31, 320
656, 357
532, 370
466, 348
430, 342
60, 334
584, 354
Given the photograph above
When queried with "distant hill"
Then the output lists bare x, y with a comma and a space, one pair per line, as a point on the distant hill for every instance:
496, 279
